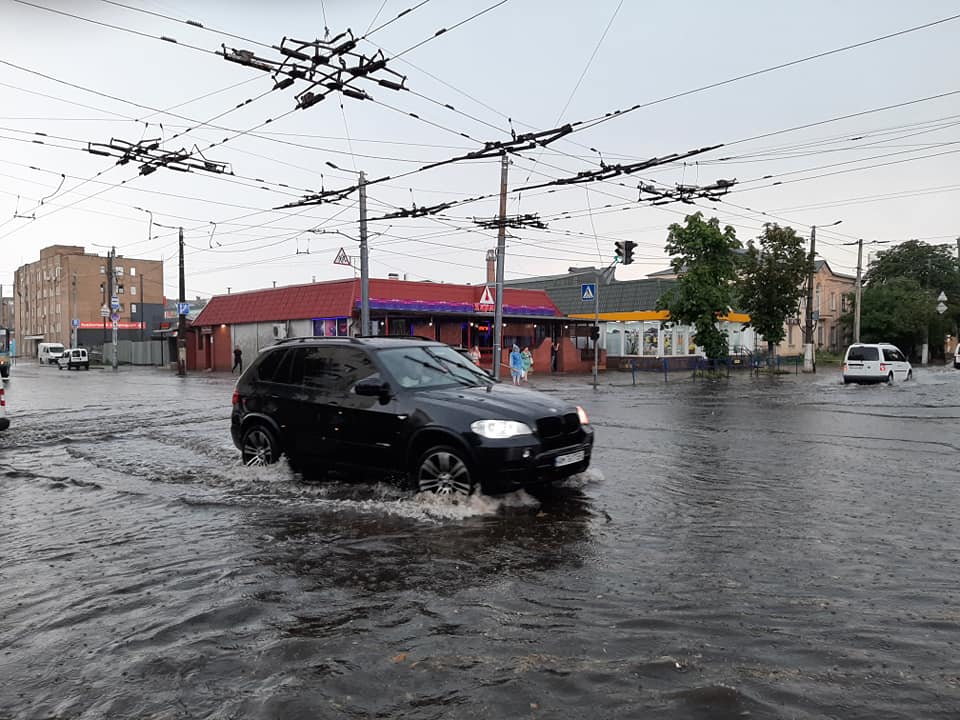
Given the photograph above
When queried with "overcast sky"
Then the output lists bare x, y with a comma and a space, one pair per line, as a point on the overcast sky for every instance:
889, 175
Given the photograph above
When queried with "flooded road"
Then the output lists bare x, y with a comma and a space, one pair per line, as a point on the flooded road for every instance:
763, 548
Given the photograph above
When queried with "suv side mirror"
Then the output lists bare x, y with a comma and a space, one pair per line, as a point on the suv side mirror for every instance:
373, 387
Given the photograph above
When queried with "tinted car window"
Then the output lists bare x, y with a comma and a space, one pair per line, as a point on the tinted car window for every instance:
860, 353
269, 365
319, 367
892, 355
351, 367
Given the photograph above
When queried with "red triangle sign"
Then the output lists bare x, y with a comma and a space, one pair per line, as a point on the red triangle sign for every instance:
487, 297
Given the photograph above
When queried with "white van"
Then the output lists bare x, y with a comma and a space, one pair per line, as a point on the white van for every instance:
74, 358
49, 352
879, 362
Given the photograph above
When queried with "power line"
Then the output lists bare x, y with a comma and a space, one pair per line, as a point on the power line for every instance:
190, 23
443, 31
772, 68
162, 38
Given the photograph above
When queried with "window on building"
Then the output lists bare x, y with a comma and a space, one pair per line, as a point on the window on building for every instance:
843, 303
833, 301
133, 289
103, 270
790, 335
118, 270
133, 272
133, 308
820, 335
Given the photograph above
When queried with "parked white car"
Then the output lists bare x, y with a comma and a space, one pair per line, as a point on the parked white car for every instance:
49, 352
956, 358
74, 358
874, 363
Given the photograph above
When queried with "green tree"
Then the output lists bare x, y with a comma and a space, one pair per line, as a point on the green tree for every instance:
933, 268
896, 311
706, 266
771, 281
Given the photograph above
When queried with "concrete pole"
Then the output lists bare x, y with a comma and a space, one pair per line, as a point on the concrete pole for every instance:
112, 284
182, 324
364, 262
809, 362
501, 251
596, 324
859, 289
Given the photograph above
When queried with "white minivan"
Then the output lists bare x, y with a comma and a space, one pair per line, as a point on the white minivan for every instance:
74, 358
49, 353
875, 362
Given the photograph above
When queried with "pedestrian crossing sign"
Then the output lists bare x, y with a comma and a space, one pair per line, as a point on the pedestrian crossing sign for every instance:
487, 303
588, 291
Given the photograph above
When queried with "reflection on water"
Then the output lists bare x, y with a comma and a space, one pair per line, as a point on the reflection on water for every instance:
773, 548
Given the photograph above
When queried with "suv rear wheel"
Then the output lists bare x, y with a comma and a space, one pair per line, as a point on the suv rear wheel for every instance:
443, 470
259, 446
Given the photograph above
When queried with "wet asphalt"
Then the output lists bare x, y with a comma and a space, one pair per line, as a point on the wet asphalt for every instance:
748, 547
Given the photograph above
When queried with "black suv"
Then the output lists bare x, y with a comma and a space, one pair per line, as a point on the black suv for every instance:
405, 405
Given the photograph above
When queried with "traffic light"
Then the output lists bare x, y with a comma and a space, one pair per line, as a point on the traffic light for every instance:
595, 333
624, 251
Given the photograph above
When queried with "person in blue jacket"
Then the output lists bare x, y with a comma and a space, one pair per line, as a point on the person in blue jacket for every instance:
516, 364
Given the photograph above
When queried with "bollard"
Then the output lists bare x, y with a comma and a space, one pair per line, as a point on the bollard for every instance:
633, 371
665, 370
4, 420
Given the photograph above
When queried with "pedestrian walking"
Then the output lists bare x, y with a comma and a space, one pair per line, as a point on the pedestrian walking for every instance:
474, 354
237, 359
527, 359
516, 364
554, 352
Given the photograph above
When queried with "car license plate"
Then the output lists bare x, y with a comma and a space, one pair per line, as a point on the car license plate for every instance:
569, 459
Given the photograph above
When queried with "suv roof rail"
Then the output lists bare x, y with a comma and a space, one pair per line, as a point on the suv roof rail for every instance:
304, 338
396, 337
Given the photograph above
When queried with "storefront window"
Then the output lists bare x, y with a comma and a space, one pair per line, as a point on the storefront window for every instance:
614, 342
651, 343
329, 327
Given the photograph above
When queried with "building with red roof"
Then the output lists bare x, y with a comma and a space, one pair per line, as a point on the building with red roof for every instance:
459, 315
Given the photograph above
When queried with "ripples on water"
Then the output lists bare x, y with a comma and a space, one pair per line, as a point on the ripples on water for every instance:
778, 548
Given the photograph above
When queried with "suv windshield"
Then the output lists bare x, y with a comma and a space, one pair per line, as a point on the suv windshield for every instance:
431, 366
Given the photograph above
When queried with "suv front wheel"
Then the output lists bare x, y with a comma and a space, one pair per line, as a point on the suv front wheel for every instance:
259, 446
443, 470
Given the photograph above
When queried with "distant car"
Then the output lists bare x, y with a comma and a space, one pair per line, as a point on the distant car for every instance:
49, 352
956, 358
875, 363
74, 358
408, 407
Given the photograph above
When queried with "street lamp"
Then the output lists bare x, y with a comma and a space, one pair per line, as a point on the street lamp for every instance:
809, 361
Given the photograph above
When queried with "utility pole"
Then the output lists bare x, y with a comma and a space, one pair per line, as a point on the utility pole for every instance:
856, 310
76, 331
501, 251
111, 285
809, 363
596, 329
182, 325
809, 354
364, 262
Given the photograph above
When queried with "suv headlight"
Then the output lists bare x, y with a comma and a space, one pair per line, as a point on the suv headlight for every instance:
499, 429
582, 414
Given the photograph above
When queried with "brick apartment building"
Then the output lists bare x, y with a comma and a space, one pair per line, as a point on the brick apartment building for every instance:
67, 283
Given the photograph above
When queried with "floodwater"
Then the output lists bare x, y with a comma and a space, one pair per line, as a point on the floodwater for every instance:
744, 548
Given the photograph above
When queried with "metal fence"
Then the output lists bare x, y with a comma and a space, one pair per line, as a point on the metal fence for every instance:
149, 352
